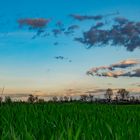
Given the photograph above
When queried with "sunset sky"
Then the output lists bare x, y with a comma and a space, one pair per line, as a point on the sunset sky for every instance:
56, 45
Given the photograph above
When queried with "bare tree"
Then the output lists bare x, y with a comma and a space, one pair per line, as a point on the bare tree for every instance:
109, 93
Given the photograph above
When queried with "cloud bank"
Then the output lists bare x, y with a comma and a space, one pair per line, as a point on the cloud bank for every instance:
122, 32
117, 70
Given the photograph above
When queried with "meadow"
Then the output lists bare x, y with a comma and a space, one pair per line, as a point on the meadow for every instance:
69, 121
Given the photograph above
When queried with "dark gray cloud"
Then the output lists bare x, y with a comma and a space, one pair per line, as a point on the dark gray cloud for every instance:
59, 57
98, 25
134, 73
85, 17
121, 33
38, 33
59, 24
90, 17
63, 58
121, 20
73, 27
56, 32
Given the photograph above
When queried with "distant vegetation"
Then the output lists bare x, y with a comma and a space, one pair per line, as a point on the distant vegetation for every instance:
65, 118
122, 97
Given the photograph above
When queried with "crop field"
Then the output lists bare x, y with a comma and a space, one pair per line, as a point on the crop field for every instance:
69, 121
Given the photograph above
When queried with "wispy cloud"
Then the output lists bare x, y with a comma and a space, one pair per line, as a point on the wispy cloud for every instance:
125, 64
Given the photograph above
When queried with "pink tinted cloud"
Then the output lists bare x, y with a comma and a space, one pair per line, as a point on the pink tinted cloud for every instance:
34, 22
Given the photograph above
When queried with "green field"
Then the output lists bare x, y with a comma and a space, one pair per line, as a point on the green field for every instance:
69, 121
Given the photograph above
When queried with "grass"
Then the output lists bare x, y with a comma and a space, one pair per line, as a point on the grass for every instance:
69, 121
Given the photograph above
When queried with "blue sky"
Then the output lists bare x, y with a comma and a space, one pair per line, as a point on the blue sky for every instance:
28, 64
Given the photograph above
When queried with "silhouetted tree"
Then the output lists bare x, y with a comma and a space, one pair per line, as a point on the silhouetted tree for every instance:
83, 98
41, 101
8, 99
36, 99
66, 98
71, 99
61, 99
116, 98
91, 97
132, 99
2, 94
55, 99
32, 99
0, 99
109, 93
123, 94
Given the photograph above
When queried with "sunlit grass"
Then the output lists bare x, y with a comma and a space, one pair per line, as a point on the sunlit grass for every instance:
69, 121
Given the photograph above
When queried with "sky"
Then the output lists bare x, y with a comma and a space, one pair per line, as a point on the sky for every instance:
53, 46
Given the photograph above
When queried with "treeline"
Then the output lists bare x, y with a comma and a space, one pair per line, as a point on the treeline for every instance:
121, 97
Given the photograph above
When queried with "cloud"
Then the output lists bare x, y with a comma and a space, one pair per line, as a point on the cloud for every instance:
98, 25
59, 24
38, 33
134, 73
73, 27
56, 32
110, 71
125, 64
37, 24
90, 17
85, 17
122, 32
135, 84
121, 20
63, 58
96, 91
114, 74
60, 57
34, 23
